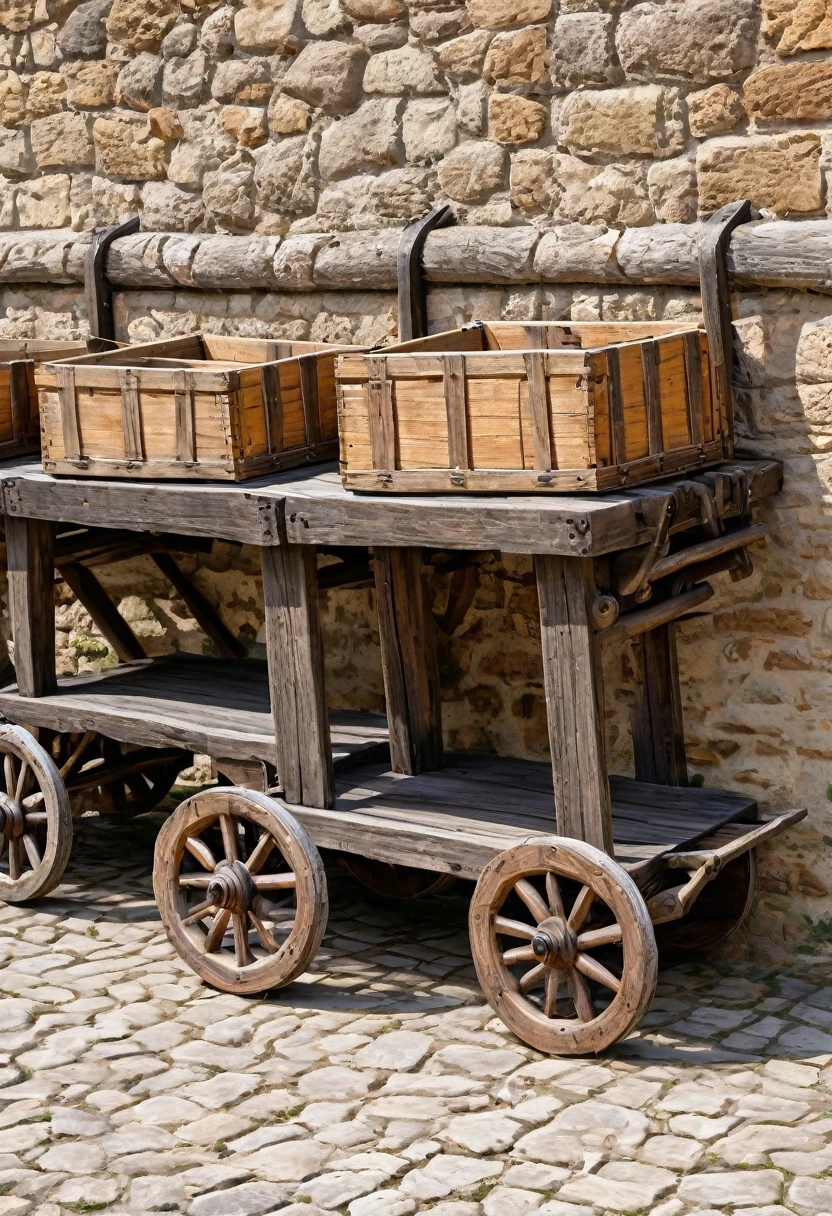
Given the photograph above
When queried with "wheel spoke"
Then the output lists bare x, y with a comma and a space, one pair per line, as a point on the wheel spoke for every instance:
70, 764
553, 895
275, 882
32, 800
199, 849
513, 928
260, 853
230, 837
532, 977
581, 998
14, 859
194, 882
32, 853
580, 908
199, 912
532, 900
8, 770
593, 938
217, 931
35, 818
21, 780
597, 971
521, 954
550, 992
263, 933
242, 950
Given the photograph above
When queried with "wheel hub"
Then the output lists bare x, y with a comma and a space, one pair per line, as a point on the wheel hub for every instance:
12, 820
555, 944
231, 887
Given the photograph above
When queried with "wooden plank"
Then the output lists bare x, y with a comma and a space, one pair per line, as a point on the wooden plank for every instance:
409, 662
539, 406
31, 573
185, 433
657, 721
693, 378
453, 370
65, 383
382, 425
296, 676
201, 610
273, 402
631, 624
308, 372
105, 616
652, 400
616, 407
130, 417
574, 700
19, 399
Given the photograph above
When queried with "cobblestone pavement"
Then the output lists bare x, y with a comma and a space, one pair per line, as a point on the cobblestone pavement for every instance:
381, 1085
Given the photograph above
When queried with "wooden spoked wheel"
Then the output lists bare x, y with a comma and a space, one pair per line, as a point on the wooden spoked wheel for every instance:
35, 818
563, 946
241, 889
387, 880
718, 911
113, 778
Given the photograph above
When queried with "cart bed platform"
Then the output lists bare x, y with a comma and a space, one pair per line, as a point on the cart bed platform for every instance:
217, 707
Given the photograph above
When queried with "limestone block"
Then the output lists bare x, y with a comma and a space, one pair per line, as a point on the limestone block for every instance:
165, 124
531, 180
223, 262
46, 94
12, 99
184, 80
365, 259
402, 194
583, 51
61, 140
217, 35
295, 258
140, 25
169, 208
15, 159
80, 202
287, 115
714, 111
17, 15
797, 25
589, 194
323, 16
247, 81
791, 92
44, 202
470, 107
127, 150
8, 215
406, 70
266, 25
246, 124
463, 57
472, 254
342, 207
672, 188
383, 37
181, 40
493, 14
204, 146
515, 120
435, 25
112, 202
374, 10
780, 172
520, 57
472, 171
700, 40
138, 82
368, 137
84, 35
327, 74
44, 47
90, 84
283, 177
228, 195
641, 121
428, 129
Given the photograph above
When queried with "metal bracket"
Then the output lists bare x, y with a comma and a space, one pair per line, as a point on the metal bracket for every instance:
716, 305
413, 312
98, 289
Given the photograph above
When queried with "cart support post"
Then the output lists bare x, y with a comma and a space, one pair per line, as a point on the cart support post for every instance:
303, 750
574, 699
30, 545
408, 659
657, 723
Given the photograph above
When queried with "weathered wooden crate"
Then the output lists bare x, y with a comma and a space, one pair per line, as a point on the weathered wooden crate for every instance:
19, 430
200, 406
504, 406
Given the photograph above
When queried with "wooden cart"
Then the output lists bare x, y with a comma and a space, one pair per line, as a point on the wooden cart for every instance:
576, 873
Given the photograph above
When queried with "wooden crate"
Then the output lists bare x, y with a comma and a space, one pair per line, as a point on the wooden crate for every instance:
504, 406
200, 406
19, 431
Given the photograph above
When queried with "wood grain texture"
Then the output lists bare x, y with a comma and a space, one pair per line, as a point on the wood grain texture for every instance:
31, 573
657, 719
453, 370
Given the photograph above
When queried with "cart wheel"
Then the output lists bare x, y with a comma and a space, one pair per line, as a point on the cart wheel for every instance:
390, 881
718, 911
35, 819
241, 889
140, 792
540, 916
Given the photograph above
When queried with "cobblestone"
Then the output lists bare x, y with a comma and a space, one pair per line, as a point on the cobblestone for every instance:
153, 1093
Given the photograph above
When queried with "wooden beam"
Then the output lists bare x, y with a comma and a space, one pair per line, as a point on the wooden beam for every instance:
105, 616
574, 700
303, 750
408, 660
200, 609
29, 549
631, 624
657, 723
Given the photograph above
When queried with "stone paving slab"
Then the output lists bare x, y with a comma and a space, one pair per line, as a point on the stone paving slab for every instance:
381, 1084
